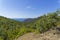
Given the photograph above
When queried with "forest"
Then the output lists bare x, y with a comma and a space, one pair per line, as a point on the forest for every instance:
11, 29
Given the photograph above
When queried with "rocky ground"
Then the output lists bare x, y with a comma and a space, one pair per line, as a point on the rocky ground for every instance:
49, 35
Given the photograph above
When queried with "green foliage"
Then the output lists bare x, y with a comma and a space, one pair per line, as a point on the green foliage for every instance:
11, 29
1, 38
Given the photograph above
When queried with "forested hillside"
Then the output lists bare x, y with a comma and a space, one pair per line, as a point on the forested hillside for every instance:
45, 22
11, 29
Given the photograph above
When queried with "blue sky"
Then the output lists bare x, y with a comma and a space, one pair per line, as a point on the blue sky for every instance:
27, 8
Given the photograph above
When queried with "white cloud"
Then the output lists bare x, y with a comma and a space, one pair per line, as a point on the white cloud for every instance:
28, 7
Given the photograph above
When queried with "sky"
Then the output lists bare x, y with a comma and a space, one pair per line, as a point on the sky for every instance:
27, 8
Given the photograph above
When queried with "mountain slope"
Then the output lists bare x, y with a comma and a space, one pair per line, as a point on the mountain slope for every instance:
11, 29
48, 27
45, 22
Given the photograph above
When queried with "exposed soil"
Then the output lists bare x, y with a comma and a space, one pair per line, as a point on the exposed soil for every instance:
49, 35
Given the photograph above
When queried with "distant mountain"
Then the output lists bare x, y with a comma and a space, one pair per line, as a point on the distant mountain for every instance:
29, 20
24, 19
20, 19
